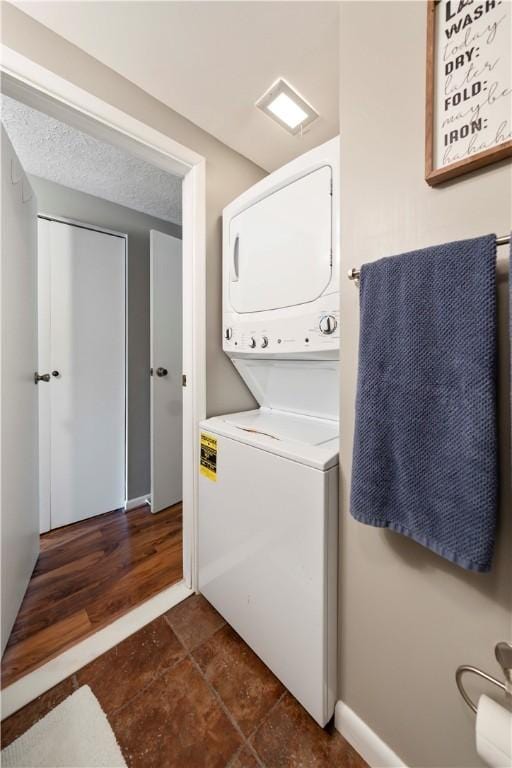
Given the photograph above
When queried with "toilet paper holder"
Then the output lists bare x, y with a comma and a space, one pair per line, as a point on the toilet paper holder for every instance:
503, 653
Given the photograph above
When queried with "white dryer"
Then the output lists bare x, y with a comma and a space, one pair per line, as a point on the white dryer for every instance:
268, 486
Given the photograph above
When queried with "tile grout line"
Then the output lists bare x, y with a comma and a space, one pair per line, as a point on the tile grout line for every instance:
246, 741
253, 733
252, 752
226, 712
158, 674
205, 640
189, 651
161, 670
235, 756
266, 717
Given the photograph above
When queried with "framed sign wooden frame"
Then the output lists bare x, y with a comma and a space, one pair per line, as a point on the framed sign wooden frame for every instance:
469, 86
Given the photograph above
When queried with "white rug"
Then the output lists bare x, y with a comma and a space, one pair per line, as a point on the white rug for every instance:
76, 734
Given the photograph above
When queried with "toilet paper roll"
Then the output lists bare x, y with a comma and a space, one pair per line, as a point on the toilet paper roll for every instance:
494, 733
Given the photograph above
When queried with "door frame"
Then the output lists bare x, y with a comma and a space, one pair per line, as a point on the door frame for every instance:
44, 481
42, 89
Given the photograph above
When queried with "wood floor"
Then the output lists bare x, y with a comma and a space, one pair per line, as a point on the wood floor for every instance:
89, 574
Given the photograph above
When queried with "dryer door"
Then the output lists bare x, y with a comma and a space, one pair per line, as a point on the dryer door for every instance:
280, 248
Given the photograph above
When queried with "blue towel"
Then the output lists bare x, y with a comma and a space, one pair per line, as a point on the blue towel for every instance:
425, 444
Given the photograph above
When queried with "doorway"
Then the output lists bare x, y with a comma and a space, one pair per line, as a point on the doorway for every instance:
109, 314
164, 152
96, 561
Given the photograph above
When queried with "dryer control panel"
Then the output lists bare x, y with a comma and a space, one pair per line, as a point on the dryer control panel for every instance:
298, 333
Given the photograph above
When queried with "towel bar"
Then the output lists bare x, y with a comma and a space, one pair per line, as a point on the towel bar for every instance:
354, 274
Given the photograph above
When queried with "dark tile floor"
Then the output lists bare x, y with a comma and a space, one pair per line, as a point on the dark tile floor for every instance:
186, 692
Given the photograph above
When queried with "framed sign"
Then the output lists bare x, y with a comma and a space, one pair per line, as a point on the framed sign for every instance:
469, 86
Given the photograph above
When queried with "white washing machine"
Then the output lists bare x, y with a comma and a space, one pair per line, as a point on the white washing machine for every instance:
268, 486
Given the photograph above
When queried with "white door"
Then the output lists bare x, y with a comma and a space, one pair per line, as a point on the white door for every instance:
86, 358
166, 366
18, 402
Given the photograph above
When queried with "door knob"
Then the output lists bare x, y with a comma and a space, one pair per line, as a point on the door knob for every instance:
161, 372
55, 374
41, 377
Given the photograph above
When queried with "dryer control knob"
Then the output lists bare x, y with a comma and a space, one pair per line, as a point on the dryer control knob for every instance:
252, 342
228, 334
264, 342
328, 324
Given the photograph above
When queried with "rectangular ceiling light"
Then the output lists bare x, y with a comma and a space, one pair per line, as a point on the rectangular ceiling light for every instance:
284, 105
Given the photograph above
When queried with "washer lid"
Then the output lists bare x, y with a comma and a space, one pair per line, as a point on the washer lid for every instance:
302, 387
304, 439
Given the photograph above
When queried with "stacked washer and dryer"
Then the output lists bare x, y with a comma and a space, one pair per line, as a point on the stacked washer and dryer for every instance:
268, 489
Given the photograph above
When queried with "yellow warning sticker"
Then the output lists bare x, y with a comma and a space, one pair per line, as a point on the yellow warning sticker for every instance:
208, 461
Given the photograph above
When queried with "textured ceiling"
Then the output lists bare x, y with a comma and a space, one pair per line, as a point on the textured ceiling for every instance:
60, 153
211, 61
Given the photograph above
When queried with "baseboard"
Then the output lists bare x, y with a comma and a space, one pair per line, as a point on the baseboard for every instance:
365, 741
138, 502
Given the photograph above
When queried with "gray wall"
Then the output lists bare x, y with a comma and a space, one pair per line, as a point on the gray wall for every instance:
408, 618
56, 200
228, 174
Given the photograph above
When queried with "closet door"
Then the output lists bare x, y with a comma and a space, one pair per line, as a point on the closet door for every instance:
87, 390
166, 362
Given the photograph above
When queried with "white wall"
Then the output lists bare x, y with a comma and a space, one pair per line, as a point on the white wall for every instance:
408, 618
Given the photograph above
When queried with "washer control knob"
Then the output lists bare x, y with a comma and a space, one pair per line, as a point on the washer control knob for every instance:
252, 342
228, 334
264, 342
328, 324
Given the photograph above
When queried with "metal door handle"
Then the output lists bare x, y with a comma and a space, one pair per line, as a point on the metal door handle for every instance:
161, 372
236, 260
41, 377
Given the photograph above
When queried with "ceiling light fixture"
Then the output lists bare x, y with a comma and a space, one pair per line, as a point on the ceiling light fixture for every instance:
284, 105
